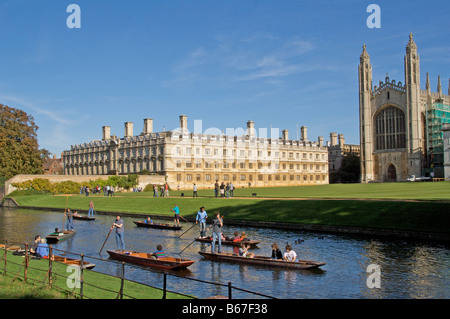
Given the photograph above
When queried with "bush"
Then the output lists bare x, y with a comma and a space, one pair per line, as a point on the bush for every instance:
70, 187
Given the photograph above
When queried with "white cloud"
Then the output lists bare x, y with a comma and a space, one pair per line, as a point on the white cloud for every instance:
257, 57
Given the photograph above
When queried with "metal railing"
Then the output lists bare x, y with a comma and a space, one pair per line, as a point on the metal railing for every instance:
49, 274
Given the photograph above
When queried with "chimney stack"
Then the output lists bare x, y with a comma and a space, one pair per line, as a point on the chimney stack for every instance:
341, 140
251, 128
304, 136
106, 133
285, 135
333, 139
148, 126
320, 141
128, 129
183, 123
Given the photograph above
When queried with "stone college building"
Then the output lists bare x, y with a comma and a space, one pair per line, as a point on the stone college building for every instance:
185, 158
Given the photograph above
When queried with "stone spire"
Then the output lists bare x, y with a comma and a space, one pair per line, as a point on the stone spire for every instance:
364, 55
411, 47
448, 87
439, 87
427, 86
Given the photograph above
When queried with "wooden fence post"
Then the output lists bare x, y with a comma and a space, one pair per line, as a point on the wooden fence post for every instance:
81, 276
26, 263
122, 280
4, 272
50, 257
164, 286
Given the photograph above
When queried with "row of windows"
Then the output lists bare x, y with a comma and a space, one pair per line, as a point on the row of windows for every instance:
250, 178
249, 153
226, 165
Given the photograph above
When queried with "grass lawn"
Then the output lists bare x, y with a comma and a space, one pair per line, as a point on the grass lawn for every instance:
60, 290
411, 191
427, 216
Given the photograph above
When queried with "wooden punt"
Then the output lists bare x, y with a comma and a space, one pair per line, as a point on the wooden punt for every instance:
73, 262
262, 261
9, 247
252, 243
145, 259
157, 225
79, 217
54, 239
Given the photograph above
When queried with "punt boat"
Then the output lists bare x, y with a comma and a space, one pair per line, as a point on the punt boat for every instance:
252, 243
55, 238
157, 225
146, 259
262, 261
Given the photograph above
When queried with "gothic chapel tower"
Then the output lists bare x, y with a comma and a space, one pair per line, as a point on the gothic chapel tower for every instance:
414, 129
365, 95
392, 125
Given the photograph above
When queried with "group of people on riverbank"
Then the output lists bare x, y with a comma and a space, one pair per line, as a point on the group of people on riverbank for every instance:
164, 190
223, 190
107, 190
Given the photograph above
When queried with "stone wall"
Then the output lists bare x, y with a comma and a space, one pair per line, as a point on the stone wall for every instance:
2, 194
144, 180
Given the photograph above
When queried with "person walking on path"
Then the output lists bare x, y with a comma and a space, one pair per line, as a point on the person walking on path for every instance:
216, 188
91, 209
201, 219
166, 190
195, 191
120, 242
217, 233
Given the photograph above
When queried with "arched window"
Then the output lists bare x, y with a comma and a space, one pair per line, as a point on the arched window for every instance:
390, 129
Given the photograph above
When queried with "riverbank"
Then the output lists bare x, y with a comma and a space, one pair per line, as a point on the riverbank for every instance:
97, 285
425, 220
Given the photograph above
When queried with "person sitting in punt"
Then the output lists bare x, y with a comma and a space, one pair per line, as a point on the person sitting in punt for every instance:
276, 252
289, 255
42, 250
243, 251
236, 237
159, 253
149, 221
244, 236
57, 232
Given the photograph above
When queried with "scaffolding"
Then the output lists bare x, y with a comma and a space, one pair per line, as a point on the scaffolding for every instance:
437, 114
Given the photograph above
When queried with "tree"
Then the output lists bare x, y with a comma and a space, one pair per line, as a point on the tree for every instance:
349, 172
19, 148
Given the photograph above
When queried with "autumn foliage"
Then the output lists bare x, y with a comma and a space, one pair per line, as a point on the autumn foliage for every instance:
19, 149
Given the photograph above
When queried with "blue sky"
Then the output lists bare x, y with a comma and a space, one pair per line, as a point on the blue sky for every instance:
279, 63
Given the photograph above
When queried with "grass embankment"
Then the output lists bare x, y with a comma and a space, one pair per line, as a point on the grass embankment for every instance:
34, 289
389, 191
425, 215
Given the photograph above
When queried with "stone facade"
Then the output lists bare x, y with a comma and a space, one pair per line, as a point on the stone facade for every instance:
337, 150
394, 121
185, 158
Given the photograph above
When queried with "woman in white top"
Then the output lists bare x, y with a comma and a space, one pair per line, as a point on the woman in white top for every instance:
289, 255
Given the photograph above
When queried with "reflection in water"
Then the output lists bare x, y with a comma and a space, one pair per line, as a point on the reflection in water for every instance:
408, 269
